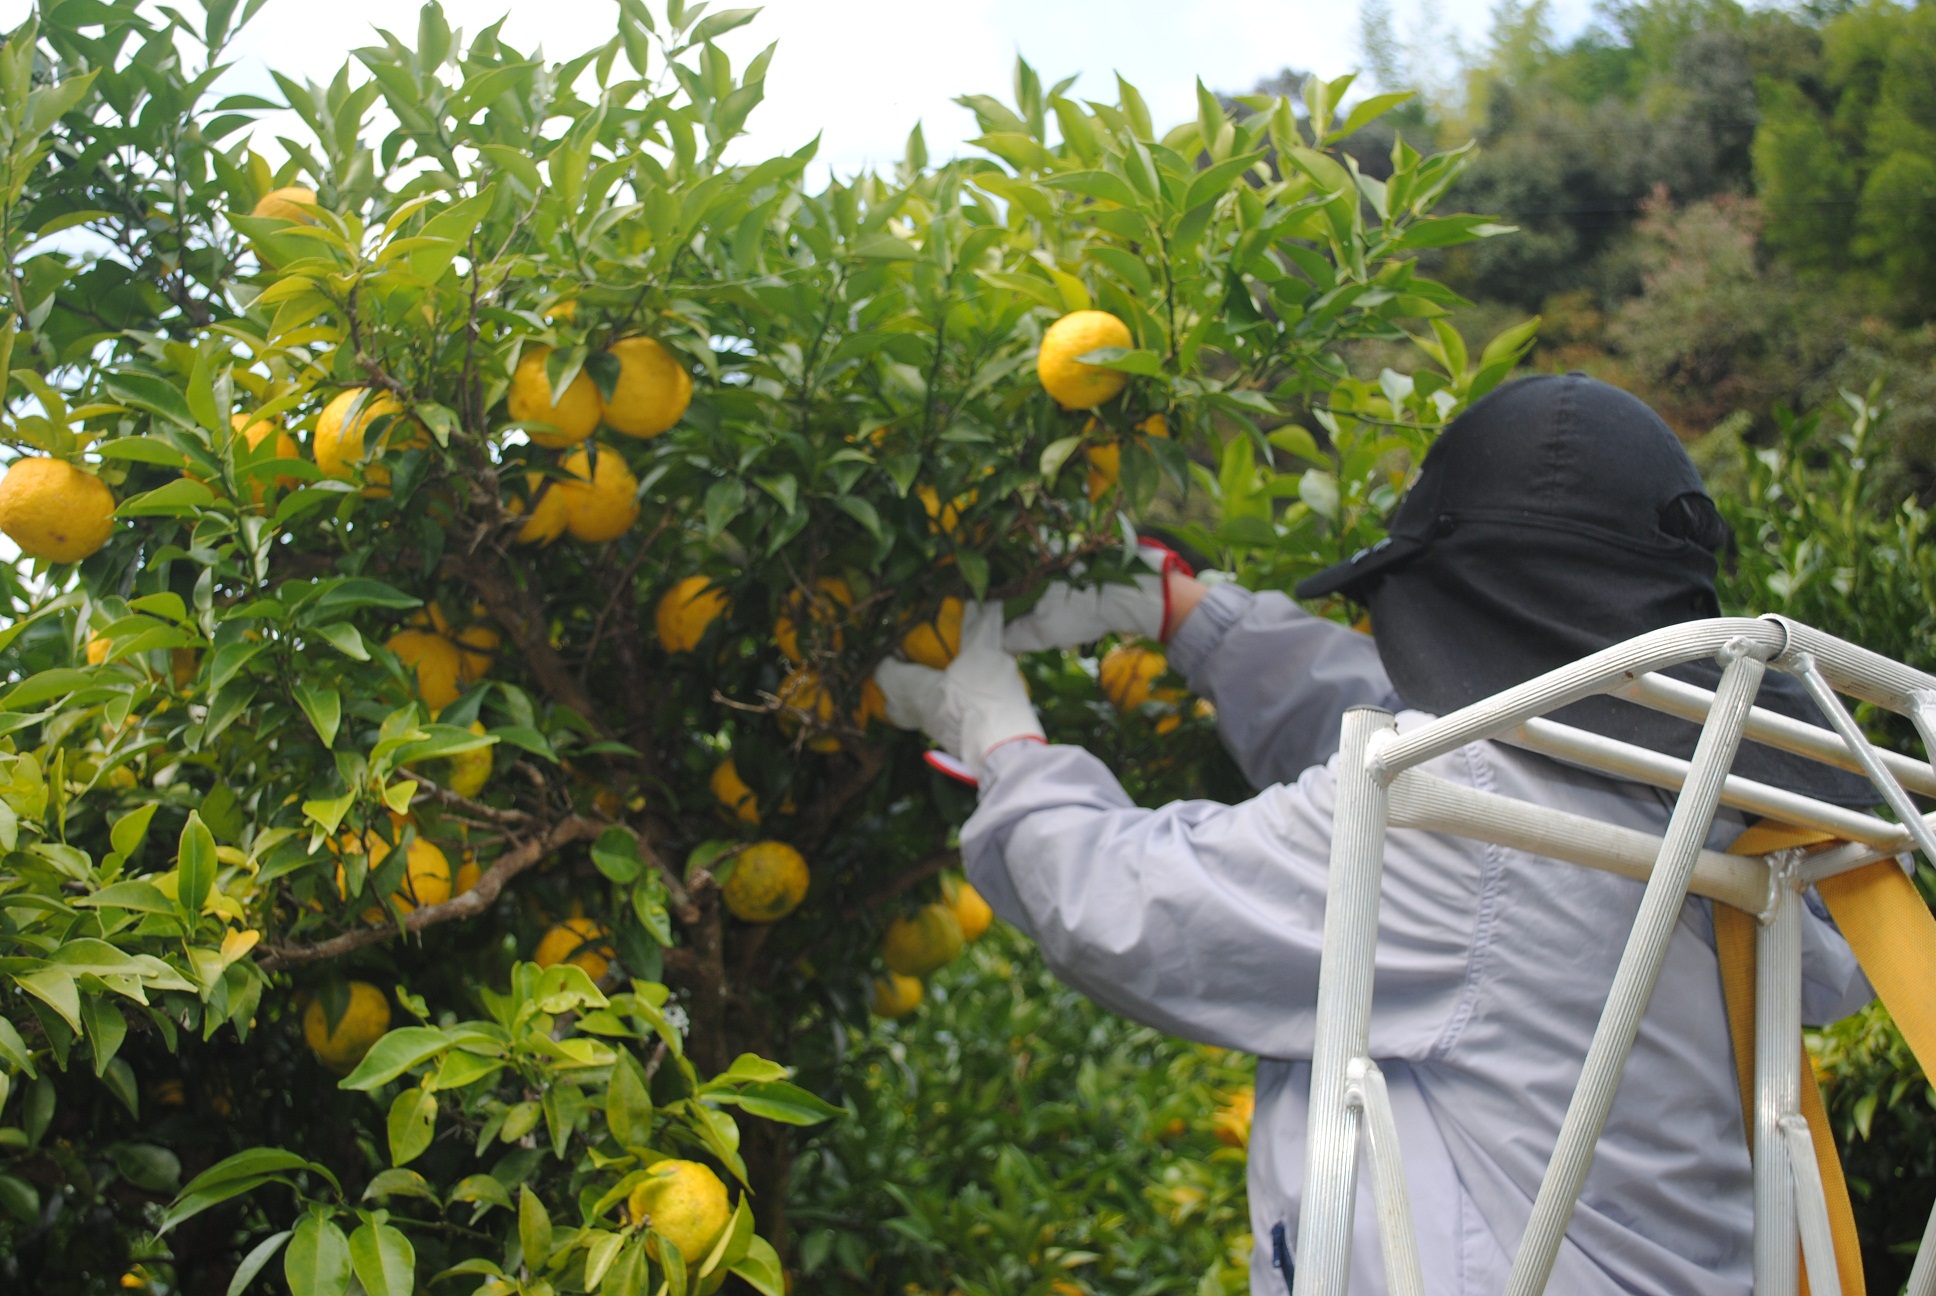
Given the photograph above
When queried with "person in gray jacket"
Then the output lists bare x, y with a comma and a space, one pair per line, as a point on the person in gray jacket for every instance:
1555, 517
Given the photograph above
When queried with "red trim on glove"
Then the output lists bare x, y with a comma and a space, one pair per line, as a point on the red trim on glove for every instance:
1172, 564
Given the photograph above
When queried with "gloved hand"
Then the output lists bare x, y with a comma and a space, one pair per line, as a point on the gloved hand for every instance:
975, 705
1066, 616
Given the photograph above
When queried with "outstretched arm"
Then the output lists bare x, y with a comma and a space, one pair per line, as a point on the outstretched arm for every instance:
1280, 678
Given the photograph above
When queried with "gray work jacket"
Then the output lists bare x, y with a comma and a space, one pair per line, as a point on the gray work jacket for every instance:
1206, 921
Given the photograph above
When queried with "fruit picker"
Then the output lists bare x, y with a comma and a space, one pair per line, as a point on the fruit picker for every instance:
1555, 517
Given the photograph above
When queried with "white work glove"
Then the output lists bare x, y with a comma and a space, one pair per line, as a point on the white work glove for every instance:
1065, 617
974, 706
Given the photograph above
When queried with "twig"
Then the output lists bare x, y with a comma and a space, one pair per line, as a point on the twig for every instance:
574, 828
428, 790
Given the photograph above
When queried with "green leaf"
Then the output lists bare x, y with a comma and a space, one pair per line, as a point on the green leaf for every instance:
384, 1260
20, 1199
106, 1028
197, 864
400, 1183
760, 1268
254, 1262
1125, 360
252, 1163
13, 1049
482, 1189
318, 1260
534, 1227
45, 686
324, 707
143, 449
1369, 110
628, 1102
118, 1079
131, 829
395, 1053
412, 1125
1103, 185
343, 637
616, 854
357, 592
178, 498
54, 987
1057, 453
781, 1101
974, 570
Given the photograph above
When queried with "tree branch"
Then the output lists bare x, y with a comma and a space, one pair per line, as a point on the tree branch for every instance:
573, 828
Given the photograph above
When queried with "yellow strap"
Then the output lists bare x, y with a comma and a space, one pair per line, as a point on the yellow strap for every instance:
1734, 943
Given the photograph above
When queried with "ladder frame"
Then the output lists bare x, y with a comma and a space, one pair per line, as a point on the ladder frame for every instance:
1380, 787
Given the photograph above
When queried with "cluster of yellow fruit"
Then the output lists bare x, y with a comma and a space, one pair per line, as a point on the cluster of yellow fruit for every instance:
1128, 673
930, 938
445, 661
597, 500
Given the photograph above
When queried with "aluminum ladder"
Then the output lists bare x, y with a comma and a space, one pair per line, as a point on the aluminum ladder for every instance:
1380, 786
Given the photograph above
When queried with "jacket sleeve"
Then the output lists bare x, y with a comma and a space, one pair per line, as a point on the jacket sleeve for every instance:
1207, 920
1280, 678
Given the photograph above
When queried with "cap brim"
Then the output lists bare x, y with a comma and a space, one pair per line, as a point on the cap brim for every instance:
1355, 576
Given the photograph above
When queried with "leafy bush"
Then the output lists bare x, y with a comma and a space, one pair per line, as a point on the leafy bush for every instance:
1825, 538
1015, 1139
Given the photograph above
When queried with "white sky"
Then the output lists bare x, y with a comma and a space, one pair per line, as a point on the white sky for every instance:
861, 72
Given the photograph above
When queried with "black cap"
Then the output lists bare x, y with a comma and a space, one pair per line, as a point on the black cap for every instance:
1556, 517
1565, 451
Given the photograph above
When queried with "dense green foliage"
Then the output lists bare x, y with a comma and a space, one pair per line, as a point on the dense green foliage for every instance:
1012, 1139
249, 740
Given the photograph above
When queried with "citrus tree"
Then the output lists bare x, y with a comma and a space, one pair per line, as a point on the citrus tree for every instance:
449, 825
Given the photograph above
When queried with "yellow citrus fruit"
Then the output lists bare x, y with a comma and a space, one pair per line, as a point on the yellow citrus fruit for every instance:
467, 874
255, 433
1127, 672
98, 648
683, 1202
768, 882
575, 415
945, 517
184, 664
1106, 460
733, 793
426, 872
652, 391
55, 511
599, 504
831, 597
281, 204
362, 1024
1073, 384
578, 941
475, 644
896, 995
1232, 1120
804, 699
966, 904
340, 430
435, 661
564, 310
915, 946
873, 704
935, 643
686, 610
547, 520
471, 770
